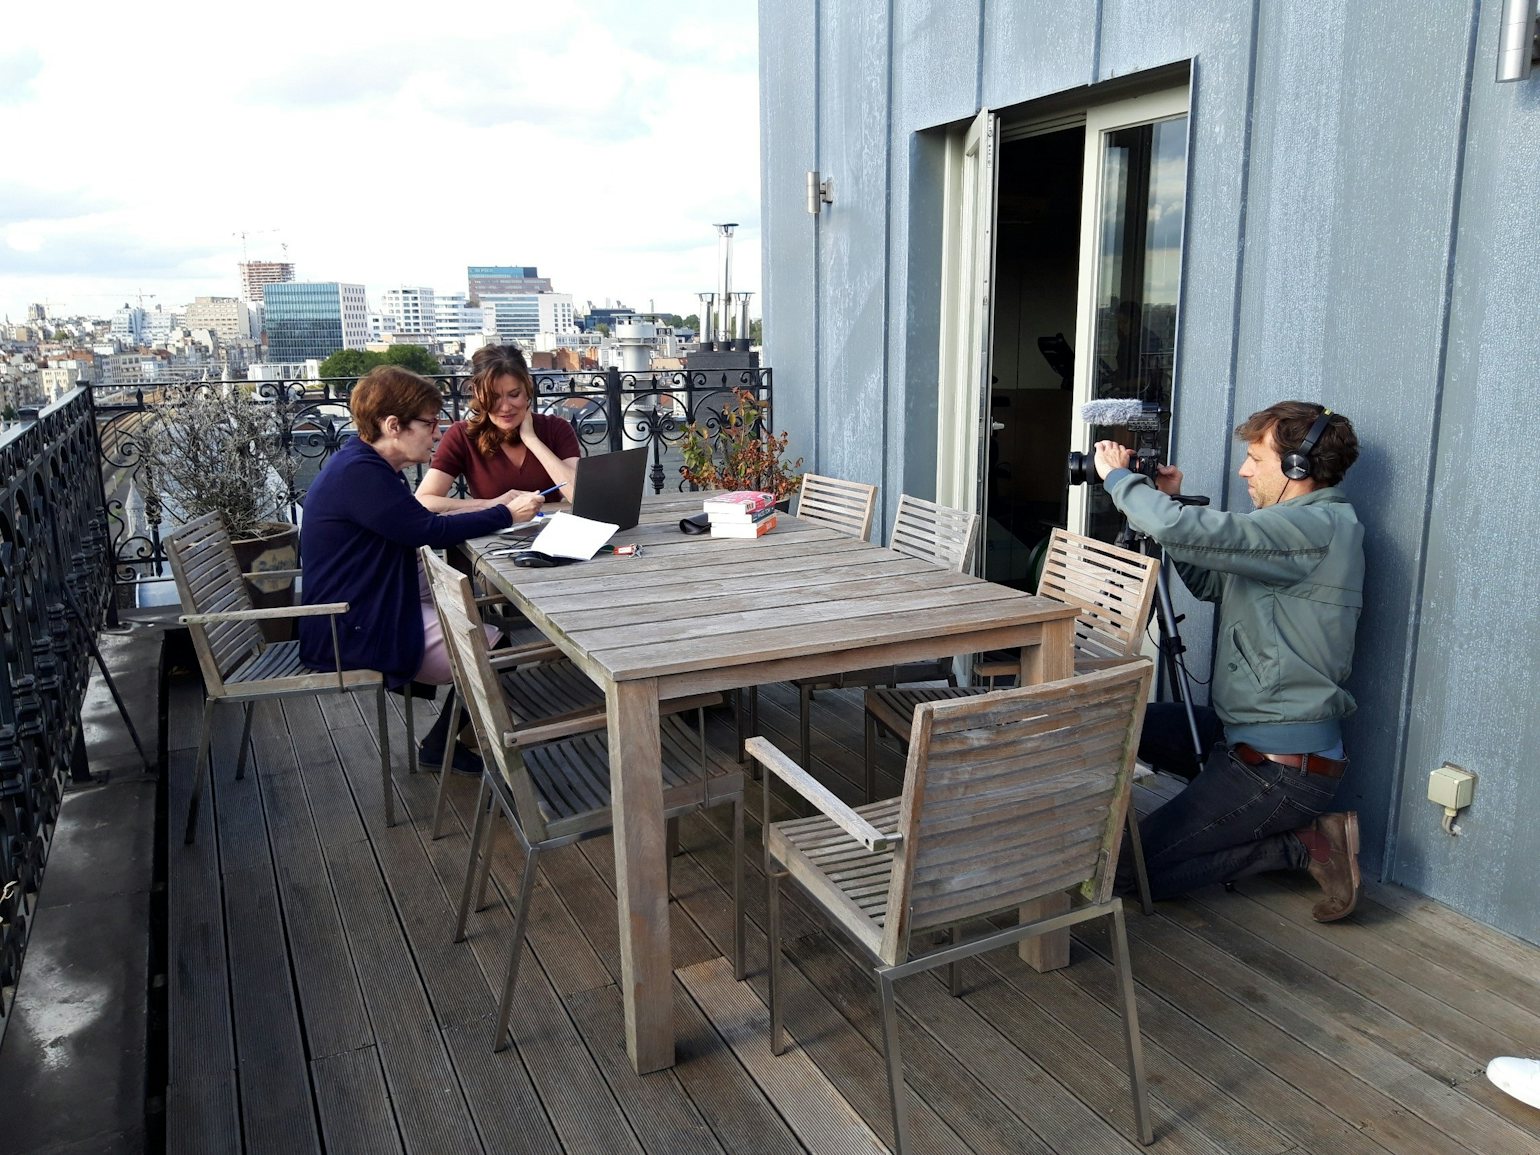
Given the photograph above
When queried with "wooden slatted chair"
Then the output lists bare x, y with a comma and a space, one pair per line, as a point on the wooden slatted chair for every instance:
547, 697
1009, 797
1112, 588
928, 532
238, 664
559, 792
847, 506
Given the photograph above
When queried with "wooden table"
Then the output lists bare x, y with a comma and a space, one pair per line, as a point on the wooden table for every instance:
700, 614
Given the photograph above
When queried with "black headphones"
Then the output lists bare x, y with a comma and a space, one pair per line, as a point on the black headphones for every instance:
1296, 463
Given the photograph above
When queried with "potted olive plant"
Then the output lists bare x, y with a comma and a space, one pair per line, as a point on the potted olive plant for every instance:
213, 448
739, 452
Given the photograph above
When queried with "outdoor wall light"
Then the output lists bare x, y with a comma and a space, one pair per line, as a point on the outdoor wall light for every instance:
819, 192
1518, 44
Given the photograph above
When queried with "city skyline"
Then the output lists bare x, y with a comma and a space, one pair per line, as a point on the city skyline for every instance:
594, 142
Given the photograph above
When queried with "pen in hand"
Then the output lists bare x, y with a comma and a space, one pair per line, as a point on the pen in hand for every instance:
553, 489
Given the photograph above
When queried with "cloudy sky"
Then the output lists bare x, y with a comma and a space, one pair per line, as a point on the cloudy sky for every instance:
596, 139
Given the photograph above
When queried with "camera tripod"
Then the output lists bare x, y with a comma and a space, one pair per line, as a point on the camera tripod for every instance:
1171, 646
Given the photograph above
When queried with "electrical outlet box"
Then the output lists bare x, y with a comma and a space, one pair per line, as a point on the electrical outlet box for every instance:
1451, 787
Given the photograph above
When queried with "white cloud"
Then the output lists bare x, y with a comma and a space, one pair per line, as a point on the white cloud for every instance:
597, 140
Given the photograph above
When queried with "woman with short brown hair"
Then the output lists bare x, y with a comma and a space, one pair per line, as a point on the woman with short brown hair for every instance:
505, 448
362, 528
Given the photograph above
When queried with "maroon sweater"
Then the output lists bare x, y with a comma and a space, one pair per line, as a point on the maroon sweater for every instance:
493, 476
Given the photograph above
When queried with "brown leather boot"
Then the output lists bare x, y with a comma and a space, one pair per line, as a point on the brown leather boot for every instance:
1338, 876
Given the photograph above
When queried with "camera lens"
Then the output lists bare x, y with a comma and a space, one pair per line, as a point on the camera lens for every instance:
1082, 469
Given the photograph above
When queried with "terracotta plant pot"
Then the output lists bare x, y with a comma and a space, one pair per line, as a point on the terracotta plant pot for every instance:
274, 547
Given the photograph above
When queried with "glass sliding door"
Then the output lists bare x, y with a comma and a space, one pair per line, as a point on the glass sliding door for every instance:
1131, 263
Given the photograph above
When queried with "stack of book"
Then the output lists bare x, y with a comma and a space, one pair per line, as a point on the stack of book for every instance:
744, 513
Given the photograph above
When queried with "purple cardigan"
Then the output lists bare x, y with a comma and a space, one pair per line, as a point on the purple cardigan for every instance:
358, 544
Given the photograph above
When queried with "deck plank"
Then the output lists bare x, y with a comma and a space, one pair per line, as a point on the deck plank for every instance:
350, 1087
1265, 1033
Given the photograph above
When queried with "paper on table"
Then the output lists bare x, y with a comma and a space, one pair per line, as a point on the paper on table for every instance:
568, 536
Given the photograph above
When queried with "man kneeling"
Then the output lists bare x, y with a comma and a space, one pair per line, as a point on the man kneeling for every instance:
1288, 579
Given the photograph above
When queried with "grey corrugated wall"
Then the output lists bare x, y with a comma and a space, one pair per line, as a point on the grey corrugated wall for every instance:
1362, 230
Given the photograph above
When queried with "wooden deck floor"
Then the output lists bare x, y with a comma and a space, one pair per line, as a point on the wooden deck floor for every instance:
317, 1002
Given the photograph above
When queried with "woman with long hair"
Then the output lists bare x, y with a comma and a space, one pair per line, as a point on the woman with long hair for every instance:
505, 448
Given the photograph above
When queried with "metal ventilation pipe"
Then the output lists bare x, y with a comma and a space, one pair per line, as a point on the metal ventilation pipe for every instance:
743, 321
703, 338
725, 284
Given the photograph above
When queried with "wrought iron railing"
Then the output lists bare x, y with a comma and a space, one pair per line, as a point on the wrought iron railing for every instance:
55, 593
608, 410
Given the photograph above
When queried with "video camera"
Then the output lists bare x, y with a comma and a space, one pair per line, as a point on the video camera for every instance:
1145, 419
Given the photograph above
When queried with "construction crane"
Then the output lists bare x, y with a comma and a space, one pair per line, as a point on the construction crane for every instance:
142, 296
244, 233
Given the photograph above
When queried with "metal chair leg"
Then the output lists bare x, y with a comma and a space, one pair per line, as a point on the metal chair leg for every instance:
773, 933
895, 1064
390, 796
444, 764
870, 749
200, 769
486, 859
954, 969
477, 833
700, 725
1131, 1038
240, 758
740, 964
806, 732
1136, 848
520, 921
411, 733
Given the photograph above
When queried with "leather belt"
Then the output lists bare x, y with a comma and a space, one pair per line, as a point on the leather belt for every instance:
1309, 763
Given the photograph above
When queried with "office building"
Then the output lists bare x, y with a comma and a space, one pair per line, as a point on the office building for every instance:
411, 308
227, 316
519, 316
129, 325
504, 279
314, 319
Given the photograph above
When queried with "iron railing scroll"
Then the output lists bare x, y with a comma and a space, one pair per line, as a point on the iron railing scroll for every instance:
55, 594
607, 409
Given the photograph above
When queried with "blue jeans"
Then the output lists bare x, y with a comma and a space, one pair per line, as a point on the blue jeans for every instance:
1231, 821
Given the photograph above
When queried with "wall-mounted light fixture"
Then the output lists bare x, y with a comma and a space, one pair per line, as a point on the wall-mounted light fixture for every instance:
1518, 40
819, 192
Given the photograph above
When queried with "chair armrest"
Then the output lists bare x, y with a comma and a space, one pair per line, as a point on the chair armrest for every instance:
491, 599
771, 758
264, 574
264, 615
523, 655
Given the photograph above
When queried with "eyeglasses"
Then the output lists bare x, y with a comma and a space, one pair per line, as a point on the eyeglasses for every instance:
433, 421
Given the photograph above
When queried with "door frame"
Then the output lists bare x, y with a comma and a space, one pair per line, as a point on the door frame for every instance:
967, 312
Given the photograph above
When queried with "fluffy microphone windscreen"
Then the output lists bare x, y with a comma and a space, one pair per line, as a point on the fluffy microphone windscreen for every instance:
1115, 411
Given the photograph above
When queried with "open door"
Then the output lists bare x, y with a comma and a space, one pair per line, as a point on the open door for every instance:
966, 311
1132, 220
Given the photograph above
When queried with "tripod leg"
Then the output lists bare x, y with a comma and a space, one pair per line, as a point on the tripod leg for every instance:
1172, 648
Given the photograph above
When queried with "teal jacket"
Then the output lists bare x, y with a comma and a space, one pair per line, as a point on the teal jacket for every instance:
1289, 582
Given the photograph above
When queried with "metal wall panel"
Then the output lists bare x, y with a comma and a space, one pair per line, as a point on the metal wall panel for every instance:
935, 82
1033, 48
854, 104
1476, 674
788, 134
1347, 244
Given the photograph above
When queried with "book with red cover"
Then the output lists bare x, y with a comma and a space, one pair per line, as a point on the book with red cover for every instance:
741, 518
739, 501
744, 529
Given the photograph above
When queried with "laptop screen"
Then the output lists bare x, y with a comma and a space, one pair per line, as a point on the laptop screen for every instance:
609, 486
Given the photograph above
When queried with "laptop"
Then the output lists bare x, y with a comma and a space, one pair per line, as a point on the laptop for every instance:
609, 489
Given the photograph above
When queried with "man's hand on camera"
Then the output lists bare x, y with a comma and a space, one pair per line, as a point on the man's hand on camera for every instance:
1168, 479
1109, 456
